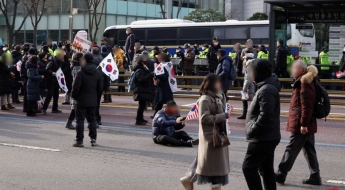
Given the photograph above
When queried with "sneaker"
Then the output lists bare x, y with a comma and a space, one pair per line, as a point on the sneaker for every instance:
312, 181
56, 111
99, 122
93, 142
140, 123
145, 121
78, 144
280, 178
188, 143
195, 141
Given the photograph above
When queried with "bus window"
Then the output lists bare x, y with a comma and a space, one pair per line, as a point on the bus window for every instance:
288, 32
306, 32
259, 32
195, 33
219, 32
162, 34
236, 33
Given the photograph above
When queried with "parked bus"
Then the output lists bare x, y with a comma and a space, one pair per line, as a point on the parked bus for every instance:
171, 33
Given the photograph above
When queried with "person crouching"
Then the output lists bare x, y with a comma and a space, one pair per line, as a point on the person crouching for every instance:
86, 86
33, 85
167, 127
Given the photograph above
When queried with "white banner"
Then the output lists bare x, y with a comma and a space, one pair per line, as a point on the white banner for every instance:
61, 80
80, 43
109, 67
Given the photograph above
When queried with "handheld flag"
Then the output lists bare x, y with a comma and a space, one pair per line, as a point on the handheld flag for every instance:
228, 109
194, 112
19, 65
61, 80
40, 104
168, 66
109, 67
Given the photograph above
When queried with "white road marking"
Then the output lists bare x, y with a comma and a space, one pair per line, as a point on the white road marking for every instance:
189, 105
30, 147
336, 181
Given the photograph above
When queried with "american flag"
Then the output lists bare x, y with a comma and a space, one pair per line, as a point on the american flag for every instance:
194, 112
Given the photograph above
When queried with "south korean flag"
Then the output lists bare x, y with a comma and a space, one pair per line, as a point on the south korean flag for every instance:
109, 67
61, 80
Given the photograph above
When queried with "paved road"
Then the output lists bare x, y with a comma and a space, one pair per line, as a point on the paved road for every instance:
37, 154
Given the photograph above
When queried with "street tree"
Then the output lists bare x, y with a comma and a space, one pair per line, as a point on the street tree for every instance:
37, 10
10, 9
162, 7
201, 15
259, 16
94, 16
180, 3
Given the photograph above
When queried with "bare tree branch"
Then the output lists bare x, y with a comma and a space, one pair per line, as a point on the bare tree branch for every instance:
94, 17
36, 10
180, 3
162, 8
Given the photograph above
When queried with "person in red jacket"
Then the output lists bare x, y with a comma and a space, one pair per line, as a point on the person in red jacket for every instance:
301, 124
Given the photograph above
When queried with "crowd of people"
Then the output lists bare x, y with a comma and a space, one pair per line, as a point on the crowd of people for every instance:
33, 73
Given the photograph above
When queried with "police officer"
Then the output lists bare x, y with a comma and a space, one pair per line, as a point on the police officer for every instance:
188, 63
204, 52
326, 72
263, 53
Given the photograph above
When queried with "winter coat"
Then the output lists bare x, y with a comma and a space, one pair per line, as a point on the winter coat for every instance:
66, 69
238, 62
104, 54
144, 86
97, 59
17, 56
87, 85
164, 124
302, 103
281, 58
33, 84
263, 117
41, 71
188, 60
130, 42
211, 161
248, 50
223, 70
52, 66
212, 56
248, 84
164, 93
135, 57
119, 58
5, 74
75, 69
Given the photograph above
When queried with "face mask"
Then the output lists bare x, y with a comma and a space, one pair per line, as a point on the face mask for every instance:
218, 57
177, 51
127, 32
215, 44
4, 49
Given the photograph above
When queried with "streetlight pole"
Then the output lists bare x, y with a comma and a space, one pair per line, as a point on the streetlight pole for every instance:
71, 23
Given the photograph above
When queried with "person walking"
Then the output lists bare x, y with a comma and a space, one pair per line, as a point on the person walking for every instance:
262, 127
53, 65
33, 85
212, 164
238, 63
223, 69
86, 86
143, 90
301, 124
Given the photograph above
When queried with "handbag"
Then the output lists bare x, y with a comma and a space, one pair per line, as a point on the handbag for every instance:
220, 139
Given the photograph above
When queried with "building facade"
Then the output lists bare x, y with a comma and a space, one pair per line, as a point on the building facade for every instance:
55, 20
244, 9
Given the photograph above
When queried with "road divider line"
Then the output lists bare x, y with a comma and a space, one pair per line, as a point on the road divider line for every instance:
150, 130
336, 182
30, 147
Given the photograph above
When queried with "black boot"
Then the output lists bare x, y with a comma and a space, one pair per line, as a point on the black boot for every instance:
69, 125
105, 98
314, 179
245, 108
109, 98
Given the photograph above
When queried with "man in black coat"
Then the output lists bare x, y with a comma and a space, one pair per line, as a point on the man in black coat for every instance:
212, 55
17, 57
262, 127
86, 86
281, 60
53, 65
130, 42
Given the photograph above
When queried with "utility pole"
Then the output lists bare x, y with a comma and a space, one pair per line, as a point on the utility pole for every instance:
71, 23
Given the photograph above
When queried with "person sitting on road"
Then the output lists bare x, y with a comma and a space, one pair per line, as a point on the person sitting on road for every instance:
166, 128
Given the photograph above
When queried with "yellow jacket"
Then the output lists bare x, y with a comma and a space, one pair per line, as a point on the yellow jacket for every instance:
119, 58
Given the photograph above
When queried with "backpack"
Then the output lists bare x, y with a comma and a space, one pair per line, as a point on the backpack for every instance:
131, 82
322, 106
232, 73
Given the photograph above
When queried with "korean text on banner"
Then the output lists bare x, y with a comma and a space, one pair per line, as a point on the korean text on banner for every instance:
61, 80
80, 43
109, 67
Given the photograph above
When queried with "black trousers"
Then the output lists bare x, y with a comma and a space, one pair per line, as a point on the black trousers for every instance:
159, 106
141, 109
15, 96
121, 80
260, 155
298, 142
88, 113
282, 73
179, 138
72, 115
31, 107
52, 93
25, 97
98, 116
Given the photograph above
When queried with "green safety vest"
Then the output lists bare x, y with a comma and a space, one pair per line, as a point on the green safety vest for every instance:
203, 54
151, 54
263, 55
232, 54
323, 57
289, 61
305, 59
337, 63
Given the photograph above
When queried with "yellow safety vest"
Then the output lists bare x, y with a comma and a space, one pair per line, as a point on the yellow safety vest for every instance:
232, 54
323, 57
263, 55
203, 54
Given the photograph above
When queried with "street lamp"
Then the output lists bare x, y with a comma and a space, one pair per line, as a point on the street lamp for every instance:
71, 22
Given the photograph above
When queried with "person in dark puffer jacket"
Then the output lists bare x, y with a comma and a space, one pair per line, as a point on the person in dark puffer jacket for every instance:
42, 64
5, 87
262, 127
167, 125
33, 85
15, 85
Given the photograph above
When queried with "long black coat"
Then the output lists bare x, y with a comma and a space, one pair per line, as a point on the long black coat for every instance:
164, 93
66, 69
5, 74
33, 85
52, 66
17, 56
87, 85
143, 90
41, 71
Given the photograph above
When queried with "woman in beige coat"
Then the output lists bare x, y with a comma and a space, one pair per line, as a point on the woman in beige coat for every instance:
212, 164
